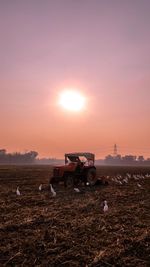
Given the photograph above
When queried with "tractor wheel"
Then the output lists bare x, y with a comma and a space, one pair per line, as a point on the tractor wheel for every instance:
91, 176
69, 181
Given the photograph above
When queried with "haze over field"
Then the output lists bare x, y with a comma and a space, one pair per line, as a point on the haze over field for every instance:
98, 49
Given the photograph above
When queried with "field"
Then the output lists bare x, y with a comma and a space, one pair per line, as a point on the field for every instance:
72, 229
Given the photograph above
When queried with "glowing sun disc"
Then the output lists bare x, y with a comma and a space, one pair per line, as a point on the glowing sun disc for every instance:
72, 100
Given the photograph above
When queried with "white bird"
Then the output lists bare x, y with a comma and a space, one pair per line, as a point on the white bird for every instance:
129, 175
139, 185
125, 180
17, 191
135, 177
40, 187
115, 180
76, 190
52, 191
105, 209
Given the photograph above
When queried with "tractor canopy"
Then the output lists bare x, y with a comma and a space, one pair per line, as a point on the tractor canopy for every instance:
80, 157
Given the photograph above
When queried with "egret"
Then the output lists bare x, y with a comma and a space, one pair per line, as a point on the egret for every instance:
17, 191
105, 209
135, 177
125, 180
52, 191
76, 190
40, 187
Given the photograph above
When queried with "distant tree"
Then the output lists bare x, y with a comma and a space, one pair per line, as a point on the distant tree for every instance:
109, 159
3, 156
140, 158
129, 159
17, 158
2, 152
30, 157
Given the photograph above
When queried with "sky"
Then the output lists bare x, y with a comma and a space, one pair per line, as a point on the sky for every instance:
101, 48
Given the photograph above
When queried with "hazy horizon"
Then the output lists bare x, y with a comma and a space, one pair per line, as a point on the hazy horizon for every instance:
100, 48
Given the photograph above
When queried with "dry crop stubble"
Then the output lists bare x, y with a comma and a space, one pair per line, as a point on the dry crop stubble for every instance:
72, 229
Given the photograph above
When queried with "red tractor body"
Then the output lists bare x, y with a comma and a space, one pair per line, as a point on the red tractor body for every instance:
78, 167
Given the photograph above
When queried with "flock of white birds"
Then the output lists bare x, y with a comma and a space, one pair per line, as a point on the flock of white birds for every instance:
119, 179
40, 189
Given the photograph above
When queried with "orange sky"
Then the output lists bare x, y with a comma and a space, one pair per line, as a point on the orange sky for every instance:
99, 48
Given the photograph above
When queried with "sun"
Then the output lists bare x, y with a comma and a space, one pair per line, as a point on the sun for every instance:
72, 100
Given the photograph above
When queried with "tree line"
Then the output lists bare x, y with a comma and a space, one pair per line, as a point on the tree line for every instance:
126, 160
17, 157
30, 157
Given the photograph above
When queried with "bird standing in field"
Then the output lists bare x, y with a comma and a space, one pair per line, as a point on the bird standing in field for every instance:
76, 190
105, 208
40, 187
52, 191
125, 180
17, 191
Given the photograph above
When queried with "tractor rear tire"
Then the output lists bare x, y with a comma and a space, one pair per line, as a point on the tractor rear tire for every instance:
91, 176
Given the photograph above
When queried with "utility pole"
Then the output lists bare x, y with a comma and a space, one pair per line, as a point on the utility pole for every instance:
115, 153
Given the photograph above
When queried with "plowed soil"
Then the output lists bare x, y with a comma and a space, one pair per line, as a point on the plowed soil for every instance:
71, 229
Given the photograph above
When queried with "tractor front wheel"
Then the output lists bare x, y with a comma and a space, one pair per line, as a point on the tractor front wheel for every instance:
68, 181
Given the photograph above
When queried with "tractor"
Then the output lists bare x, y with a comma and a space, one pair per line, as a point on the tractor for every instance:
78, 168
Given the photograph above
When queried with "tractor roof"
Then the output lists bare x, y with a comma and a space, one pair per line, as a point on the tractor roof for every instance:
88, 155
